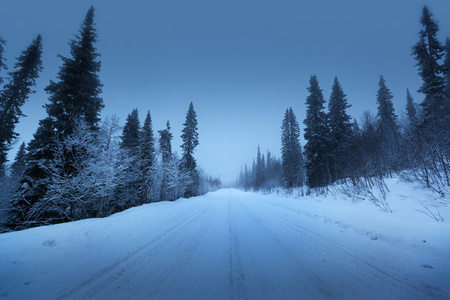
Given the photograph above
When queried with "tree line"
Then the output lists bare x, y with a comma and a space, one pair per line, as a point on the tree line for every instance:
336, 148
78, 166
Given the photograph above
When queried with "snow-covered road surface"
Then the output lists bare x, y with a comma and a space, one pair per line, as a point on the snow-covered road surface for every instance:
225, 245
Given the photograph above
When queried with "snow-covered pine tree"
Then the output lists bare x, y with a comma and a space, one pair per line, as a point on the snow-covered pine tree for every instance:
340, 131
291, 152
75, 96
165, 143
16, 92
128, 190
147, 158
317, 138
190, 141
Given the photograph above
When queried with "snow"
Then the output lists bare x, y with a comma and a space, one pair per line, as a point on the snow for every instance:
232, 244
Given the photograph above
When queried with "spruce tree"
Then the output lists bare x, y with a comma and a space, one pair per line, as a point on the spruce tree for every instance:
76, 94
16, 92
190, 141
317, 138
165, 144
130, 133
428, 52
128, 190
340, 130
147, 157
165, 147
74, 97
291, 153
387, 128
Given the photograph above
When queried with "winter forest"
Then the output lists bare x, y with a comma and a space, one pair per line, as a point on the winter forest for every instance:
78, 166
340, 150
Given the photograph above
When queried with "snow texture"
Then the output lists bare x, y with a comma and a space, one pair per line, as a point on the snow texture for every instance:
235, 245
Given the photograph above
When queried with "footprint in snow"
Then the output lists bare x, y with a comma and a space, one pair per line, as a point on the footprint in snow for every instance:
49, 243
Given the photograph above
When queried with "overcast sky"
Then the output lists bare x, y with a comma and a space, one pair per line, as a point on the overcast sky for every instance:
241, 63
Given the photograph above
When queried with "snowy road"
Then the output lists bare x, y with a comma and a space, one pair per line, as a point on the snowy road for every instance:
226, 245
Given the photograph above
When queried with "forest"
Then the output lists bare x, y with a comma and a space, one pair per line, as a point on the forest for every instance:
79, 166
339, 150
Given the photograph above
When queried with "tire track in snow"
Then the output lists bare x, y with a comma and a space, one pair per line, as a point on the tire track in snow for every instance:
237, 276
98, 280
361, 269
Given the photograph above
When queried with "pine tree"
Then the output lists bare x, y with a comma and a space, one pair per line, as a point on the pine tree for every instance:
340, 130
147, 157
74, 98
128, 190
385, 115
165, 146
76, 94
317, 137
428, 52
291, 153
130, 133
387, 128
16, 92
190, 141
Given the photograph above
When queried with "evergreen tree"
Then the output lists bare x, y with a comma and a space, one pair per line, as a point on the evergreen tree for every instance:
128, 191
190, 141
165, 146
317, 137
428, 52
387, 120
168, 164
291, 152
147, 151
387, 128
74, 98
340, 130
16, 92
130, 133
76, 94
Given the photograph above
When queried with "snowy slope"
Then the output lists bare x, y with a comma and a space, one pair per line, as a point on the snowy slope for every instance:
231, 244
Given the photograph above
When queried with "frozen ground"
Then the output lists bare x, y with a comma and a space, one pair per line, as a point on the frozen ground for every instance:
235, 245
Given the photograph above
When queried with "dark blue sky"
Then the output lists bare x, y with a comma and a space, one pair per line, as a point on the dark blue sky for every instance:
241, 63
